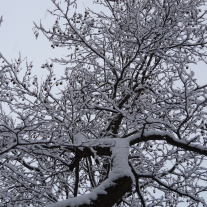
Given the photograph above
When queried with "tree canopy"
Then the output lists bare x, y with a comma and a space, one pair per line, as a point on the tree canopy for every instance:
125, 125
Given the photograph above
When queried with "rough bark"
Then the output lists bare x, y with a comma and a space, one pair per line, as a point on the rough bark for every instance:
113, 193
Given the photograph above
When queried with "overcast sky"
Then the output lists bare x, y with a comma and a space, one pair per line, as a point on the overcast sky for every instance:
16, 34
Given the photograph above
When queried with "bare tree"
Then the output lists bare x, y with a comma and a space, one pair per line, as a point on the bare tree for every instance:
127, 126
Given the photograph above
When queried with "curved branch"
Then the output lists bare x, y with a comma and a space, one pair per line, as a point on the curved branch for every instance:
156, 179
137, 185
113, 188
170, 139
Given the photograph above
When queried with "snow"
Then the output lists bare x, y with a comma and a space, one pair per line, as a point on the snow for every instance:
120, 159
79, 139
120, 168
171, 139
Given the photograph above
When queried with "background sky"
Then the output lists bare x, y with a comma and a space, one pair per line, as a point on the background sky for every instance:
16, 33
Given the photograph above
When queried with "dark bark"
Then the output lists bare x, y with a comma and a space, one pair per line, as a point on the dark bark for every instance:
115, 123
76, 179
86, 152
113, 193
189, 146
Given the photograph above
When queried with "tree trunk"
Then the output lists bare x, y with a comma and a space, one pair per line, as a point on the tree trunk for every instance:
113, 193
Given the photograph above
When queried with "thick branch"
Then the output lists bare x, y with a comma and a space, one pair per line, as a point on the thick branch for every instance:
113, 188
170, 139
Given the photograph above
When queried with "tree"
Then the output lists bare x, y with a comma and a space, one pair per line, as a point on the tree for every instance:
127, 126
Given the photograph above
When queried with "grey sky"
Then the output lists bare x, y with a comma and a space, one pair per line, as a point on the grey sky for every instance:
16, 34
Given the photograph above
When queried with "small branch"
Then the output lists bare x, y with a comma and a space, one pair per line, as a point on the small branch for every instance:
137, 185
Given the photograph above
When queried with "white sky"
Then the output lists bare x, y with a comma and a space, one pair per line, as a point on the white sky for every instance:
16, 34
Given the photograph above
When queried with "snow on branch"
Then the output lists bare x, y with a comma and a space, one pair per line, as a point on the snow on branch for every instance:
124, 124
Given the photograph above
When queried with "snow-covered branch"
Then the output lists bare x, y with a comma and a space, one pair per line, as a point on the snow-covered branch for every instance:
126, 122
